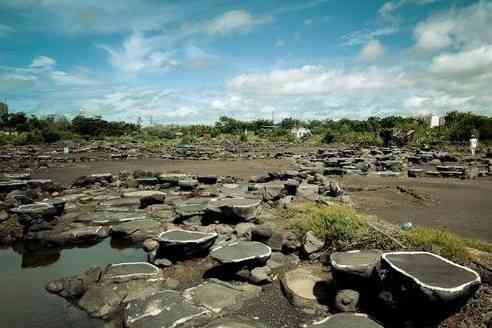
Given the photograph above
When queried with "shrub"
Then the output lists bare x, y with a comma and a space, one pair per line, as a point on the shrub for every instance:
328, 138
339, 226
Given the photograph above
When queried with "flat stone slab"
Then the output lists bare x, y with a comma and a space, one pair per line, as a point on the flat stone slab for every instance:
244, 209
8, 186
165, 309
143, 193
433, 273
234, 323
109, 218
218, 296
34, 213
358, 263
137, 230
346, 320
77, 235
306, 287
241, 251
191, 206
185, 243
130, 271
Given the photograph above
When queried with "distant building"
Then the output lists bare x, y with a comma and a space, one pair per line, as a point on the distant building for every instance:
300, 133
4, 109
434, 121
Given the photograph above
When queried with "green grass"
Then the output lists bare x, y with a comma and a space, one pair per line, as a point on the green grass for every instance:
344, 228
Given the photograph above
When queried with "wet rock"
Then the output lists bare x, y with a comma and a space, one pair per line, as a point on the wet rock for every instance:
241, 251
182, 243
347, 300
165, 309
345, 320
312, 244
306, 288
218, 296
355, 263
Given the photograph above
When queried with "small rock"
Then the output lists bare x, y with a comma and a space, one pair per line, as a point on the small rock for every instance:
163, 263
347, 300
311, 243
259, 275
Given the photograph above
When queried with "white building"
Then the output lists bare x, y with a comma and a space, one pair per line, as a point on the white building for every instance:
300, 133
434, 121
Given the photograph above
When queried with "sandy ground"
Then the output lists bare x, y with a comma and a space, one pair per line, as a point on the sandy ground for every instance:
462, 206
243, 168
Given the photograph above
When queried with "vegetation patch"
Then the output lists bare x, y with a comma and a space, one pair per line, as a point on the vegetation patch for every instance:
344, 228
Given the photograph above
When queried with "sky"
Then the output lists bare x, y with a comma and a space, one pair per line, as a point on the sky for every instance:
171, 61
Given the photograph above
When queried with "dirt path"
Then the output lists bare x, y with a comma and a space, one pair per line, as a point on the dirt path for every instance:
243, 168
461, 206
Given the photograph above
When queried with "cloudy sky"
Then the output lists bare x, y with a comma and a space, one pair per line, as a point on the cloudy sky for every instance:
192, 61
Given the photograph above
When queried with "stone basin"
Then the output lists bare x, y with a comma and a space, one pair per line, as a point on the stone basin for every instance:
128, 271
182, 243
346, 320
243, 209
241, 251
430, 278
165, 309
355, 263
8, 186
34, 213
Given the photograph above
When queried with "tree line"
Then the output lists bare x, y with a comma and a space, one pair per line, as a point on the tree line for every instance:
20, 128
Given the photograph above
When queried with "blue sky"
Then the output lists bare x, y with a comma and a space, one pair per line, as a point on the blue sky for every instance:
193, 61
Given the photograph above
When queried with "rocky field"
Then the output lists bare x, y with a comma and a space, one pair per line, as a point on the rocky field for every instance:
261, 240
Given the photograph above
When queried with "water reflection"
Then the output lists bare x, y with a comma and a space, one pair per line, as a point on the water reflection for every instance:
24, 274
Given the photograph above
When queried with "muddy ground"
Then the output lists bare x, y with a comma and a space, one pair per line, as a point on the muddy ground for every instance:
462, 206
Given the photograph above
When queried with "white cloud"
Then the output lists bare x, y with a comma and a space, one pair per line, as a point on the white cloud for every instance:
365, 35
371, 51
316, 80
139, 54
196, 57
467, 27
473, 62
43, 62
234, 21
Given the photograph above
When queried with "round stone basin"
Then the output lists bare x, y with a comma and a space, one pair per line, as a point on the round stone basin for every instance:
181, 243
129, 271
235, 202
241, 251
346, 320
360, 263
432, 271
36, 208
177, 237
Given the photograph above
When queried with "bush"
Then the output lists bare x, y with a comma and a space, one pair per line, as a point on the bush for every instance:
328, 138
340, 227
